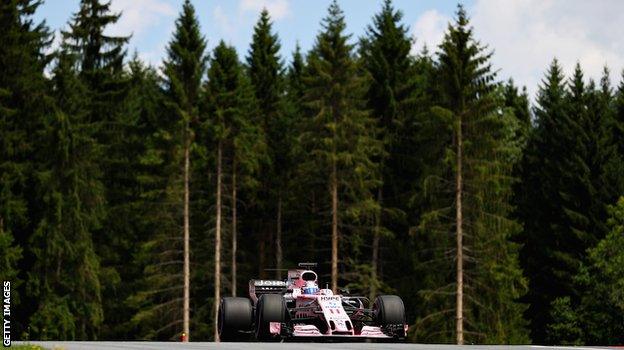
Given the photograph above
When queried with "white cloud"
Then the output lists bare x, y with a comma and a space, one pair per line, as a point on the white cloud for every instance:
527, 34
223, 20
277, 8
429, 30
138, 19
139, 16
154, 56
56, 41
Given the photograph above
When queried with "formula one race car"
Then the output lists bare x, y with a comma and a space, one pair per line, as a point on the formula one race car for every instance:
297, 309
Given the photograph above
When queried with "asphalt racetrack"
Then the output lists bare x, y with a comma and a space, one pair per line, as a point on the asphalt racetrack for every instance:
104, 345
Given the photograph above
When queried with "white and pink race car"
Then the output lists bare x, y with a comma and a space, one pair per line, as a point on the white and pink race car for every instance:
297, 309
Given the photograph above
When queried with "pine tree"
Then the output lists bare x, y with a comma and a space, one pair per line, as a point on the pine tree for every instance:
165, 299
386, 56
156, 294
100, 59
340, 139
587, 191
100, 56
238, 144
567, 185
599, 314
419, 162
24, 102
65, 275
479, 159
142, 122
13, 207
265, 71
302, 218
604, 161
539, 179
184, 68
248, 152
295, 87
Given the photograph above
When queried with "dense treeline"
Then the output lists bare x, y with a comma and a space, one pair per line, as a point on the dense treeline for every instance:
133, 197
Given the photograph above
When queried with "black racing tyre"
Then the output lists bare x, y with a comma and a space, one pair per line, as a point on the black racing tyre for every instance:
389, 310
235, 316
270, 308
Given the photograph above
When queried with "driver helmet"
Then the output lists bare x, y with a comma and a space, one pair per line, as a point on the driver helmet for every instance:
310, 288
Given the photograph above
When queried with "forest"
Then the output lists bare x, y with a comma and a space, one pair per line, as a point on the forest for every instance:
133, 197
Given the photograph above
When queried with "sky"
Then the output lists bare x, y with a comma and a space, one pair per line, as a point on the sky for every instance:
525, 34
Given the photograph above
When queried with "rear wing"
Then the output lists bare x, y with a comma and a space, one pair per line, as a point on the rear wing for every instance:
260, 287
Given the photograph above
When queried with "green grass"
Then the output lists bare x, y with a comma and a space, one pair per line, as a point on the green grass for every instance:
27, 347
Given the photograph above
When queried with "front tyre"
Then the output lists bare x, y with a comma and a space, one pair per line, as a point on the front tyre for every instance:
235, 316
270, 308
389, 313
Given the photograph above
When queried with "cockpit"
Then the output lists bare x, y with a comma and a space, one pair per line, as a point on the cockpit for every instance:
301, 278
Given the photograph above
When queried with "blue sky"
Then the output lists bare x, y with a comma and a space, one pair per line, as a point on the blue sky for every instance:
151, 22
525, 34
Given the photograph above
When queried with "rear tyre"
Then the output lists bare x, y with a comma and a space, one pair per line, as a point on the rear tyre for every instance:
235, 316
270, 308
389, 313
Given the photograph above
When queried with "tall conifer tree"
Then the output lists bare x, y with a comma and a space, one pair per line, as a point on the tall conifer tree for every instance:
140, 130
302, 217
184, 67
565, 191
65, 276
340, 139
419, 158
238, 143
584, 187
478, 161
265, 70
99, 56
157, 293
386, 57
24, 103
545, 143
100, 59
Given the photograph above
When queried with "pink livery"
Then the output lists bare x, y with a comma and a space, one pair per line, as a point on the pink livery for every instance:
296, 308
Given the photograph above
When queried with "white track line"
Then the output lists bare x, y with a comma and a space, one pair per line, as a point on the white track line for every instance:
567, 347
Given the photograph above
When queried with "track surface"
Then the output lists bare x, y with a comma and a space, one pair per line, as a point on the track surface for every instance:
60, 345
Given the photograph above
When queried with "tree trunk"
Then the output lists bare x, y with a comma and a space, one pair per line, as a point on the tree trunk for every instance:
334, 258
217, 272
376, 238
187, 272
459, 227
234, 242
278, 238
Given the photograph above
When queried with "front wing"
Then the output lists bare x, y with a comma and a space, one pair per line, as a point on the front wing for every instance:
286, 331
